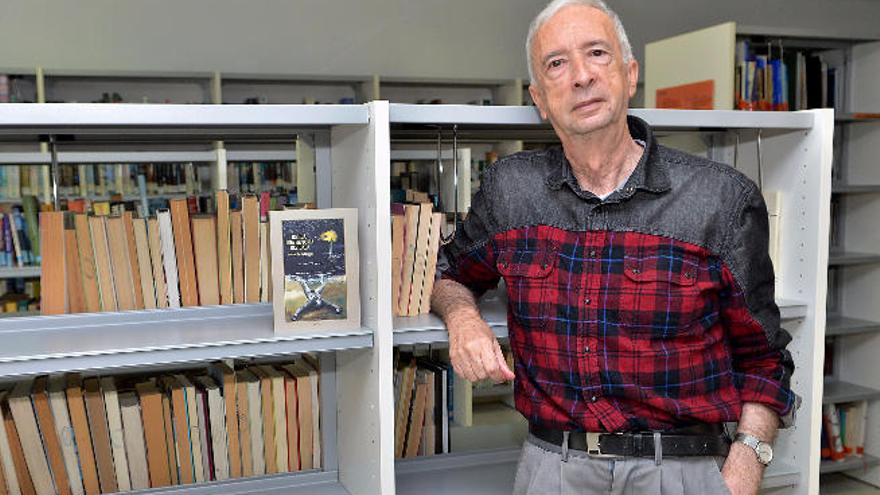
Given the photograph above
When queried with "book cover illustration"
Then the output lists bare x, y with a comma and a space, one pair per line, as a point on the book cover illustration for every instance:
315, 282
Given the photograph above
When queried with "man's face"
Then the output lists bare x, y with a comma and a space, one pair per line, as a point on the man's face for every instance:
581, 82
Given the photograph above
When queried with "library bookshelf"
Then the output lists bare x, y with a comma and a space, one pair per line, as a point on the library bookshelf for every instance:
352, 153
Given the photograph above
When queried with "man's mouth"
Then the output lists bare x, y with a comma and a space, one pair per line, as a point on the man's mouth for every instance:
587, 103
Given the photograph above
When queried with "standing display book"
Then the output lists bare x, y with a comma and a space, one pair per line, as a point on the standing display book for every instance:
314, 269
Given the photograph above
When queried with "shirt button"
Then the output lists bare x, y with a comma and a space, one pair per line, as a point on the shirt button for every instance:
593, 398
587, 349
592, 253
587, 300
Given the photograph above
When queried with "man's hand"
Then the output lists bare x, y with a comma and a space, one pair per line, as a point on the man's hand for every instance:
742, 472
474, 350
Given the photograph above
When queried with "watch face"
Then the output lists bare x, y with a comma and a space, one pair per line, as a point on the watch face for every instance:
765, 453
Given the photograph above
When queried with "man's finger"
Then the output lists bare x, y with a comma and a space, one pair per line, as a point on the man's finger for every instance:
506, 374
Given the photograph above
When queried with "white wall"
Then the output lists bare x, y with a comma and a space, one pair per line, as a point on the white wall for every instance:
427, 38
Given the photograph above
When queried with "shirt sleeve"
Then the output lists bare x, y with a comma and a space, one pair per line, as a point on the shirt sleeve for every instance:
469, 258
762, 365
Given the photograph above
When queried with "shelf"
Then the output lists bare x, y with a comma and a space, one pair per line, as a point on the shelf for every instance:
837, 391
848, 464
852, 189
429, 328
840, 325
846, 258
92, 157
492, 472
19, 314
23, 272
846, 118
52, 344
314, 483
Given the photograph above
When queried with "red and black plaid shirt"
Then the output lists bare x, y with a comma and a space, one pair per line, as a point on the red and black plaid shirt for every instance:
650, 310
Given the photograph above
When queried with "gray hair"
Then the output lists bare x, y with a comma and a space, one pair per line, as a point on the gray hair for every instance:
555, 6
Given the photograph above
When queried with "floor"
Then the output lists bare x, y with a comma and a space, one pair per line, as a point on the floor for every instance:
838, 484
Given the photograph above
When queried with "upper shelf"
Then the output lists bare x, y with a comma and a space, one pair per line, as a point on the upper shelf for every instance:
52, 344
38, 158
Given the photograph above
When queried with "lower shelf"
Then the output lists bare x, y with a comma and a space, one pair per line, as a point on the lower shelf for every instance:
492, 472
318, 483
837, 391
849, 464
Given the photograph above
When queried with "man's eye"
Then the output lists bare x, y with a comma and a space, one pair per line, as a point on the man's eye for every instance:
555, 63
597, 52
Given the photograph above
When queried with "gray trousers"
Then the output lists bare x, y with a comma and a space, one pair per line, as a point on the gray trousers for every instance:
542, 471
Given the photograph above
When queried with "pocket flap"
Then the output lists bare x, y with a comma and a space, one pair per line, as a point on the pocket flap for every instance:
529, 264
682, 271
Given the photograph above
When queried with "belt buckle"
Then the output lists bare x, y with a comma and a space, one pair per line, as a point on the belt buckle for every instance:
594, 448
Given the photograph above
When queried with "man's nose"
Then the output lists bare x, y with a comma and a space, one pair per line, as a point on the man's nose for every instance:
582, 72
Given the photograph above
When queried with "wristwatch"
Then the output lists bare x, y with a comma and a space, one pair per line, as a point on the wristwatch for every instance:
763, 450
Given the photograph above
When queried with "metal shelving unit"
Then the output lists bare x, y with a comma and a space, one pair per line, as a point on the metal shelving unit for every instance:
836, 325
845, 258
837, 391
849, 464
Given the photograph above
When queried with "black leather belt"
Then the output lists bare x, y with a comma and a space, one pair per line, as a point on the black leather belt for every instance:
701, 440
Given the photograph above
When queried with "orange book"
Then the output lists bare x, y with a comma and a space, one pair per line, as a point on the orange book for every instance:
53, 280
250, 218
100, 435
91, 294
77, 407
237, 257
25, 484
224, 246
75, 297
244, 429
397, 223
292, 415
417, 419
181, 429
268, 408
169, 439
104, 270
131, 242
431, 269
121, 265
225, 376
50, 436
154, 434
205, 251
186, 269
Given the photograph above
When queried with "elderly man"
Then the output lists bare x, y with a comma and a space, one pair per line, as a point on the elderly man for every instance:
640, 291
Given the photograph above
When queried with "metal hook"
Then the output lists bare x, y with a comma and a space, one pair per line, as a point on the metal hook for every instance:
445, 239
54, 151
760, 163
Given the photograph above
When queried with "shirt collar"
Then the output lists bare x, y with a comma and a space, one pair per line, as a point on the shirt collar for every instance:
651, 173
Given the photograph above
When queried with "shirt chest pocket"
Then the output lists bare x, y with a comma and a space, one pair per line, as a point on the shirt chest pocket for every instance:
660, 294
529, 277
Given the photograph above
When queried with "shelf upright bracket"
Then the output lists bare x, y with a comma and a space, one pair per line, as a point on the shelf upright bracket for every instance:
760, 161
53, 150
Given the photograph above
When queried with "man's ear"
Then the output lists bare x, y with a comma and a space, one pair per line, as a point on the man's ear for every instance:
633, 74
538, 98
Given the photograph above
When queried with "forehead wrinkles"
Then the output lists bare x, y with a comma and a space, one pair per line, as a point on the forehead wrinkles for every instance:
568, 30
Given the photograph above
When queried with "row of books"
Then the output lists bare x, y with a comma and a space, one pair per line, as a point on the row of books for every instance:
771, 78
93, 263
19, 296
70, 435
843, 430
107, 179
422, 405
19, 236
415, 242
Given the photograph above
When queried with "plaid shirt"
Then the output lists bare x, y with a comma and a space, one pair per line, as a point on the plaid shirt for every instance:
649, 310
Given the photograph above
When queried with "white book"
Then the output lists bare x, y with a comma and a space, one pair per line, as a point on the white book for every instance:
117, 438
169, 257
217, 415
193, 417
135, 446
255, 417
144, 264
203, 434
16, 244
29, 433
83, 180
58, 404
6, 456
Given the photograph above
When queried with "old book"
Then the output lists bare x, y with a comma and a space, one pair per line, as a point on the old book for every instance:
100, 433
158, 269
244, 429
417, 416
397, 232
280, 417
431, 269
77, 408
51, 441
224, 248
117, 438
194, 427
268, 410
131, 242
20, 468
225, 375
182, 438
122, 276
255, 419
217, 423
410, 239
250, 219
401, 417
428, 443
133, 434
237, 256
144, 263
423, 239
304, 413
10, 475
186, 270
154, 434
53, 280
169, 257
75, 298
29, 434
91, 294
205, 251
291, 413
64, 433
313, 370
265, 264
170, 445
98, 229
204, 444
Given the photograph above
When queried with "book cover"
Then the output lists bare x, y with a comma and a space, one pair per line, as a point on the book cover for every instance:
314, 269
51, 440
77, 407
154, 434
31, 442
100, 434
133, 434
